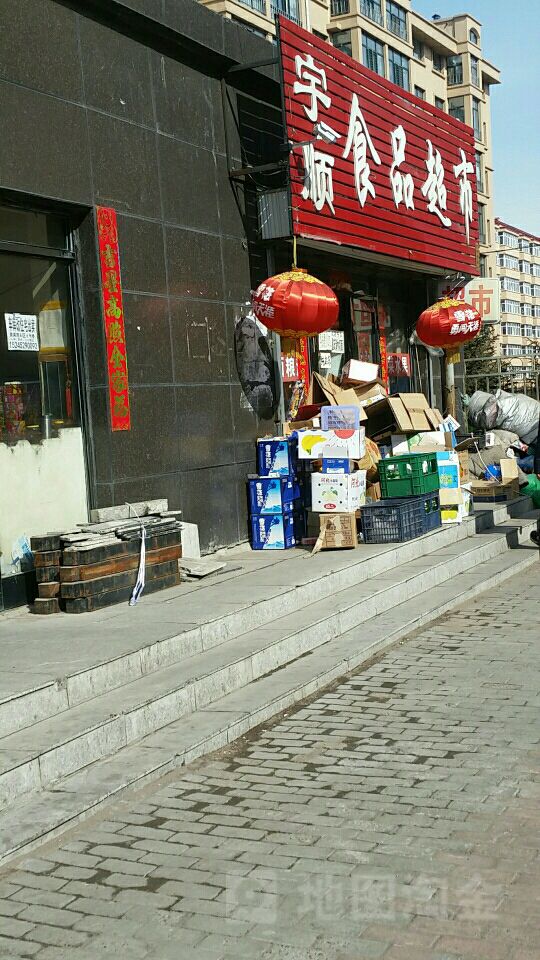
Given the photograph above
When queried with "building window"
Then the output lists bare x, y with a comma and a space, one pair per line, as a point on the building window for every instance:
507, 239
526, 289
482, 223
439, 62
456, 108
418, 92
510, 306
396, 19
372, 9
475, 71
536, 310
510, 285
321, 36
535, 269
440, 103
535, 249
536, 290
523, 244
373, 54
479, 171
38, 369
398, 66
476, 118
288, 8
338, 8
483, 265
454, 67
504, 260
418, 49
474, 37
526, 310
341, 39
525, 266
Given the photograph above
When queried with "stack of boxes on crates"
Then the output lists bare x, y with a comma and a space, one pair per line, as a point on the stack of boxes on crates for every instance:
338, 486
410, 505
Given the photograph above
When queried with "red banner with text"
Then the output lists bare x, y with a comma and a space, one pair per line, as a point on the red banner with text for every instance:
113, 312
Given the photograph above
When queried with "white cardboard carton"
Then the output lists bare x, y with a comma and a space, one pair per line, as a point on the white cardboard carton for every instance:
331, 444
338, 492
358, 371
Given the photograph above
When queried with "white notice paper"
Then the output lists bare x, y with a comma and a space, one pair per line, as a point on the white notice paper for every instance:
21, 329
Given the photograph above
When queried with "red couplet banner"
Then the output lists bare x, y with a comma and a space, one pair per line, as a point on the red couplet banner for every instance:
375, 167
113, 312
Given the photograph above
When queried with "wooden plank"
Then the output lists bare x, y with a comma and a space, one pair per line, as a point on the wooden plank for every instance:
91, 571
47, 574
48, 590
51, 541
117, 581
47, 558
116, 548
46, 606
87, 604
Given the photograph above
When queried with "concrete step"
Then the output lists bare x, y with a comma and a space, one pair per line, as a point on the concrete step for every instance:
205, 616
35, 757
38, 817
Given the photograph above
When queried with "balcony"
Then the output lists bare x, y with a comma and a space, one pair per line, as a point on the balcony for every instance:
372, 10
287, 8
396, 26
338, 8
258, 5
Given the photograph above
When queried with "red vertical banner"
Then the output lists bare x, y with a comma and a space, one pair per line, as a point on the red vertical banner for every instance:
113, 312
384, 359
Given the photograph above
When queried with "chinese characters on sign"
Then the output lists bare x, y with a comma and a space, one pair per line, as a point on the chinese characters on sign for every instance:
399, 365
21, 330
377, 168
114, 318
483, 293
466, 322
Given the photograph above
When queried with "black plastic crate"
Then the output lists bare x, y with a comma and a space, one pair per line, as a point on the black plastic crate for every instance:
399, 519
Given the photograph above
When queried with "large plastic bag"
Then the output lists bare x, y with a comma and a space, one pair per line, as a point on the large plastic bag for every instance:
483, 410
532, 490
518, 413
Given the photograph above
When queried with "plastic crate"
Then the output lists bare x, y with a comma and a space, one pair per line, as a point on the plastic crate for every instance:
340, 418
409, 475
399, 519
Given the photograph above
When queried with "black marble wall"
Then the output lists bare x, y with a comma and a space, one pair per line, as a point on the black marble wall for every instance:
90, 116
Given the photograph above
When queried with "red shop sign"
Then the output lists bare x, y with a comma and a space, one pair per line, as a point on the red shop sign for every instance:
113, 311
295, 360
378, 169
399, 364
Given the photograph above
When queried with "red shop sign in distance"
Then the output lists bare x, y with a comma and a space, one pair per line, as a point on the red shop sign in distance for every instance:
390, 174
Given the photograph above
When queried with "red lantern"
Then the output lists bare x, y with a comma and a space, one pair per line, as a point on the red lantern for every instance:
448, 323
295, 304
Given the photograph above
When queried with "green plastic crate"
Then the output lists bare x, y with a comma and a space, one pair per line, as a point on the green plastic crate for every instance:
409, 475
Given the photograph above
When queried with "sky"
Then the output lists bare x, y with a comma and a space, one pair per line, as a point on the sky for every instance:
511, 41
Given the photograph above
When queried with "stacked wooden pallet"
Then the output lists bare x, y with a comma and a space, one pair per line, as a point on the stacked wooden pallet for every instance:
98, 565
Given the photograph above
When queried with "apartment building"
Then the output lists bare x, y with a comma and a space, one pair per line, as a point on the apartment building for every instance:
438, 60
518, 267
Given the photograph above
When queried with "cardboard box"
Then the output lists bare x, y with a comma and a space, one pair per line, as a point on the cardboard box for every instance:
370, 461
276, 456
358, 371
464, 466
492, 491
334, 465
273, 494
291, 426
371, 393
448, 467
340, 444
337, 492
431, 441
337, 532
402, 413
373, 492
456, 505
273, 532
324, 390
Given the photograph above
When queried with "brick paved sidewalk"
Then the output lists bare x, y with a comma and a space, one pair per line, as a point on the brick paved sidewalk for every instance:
396, 816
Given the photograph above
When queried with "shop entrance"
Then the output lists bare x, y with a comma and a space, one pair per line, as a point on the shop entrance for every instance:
42, 462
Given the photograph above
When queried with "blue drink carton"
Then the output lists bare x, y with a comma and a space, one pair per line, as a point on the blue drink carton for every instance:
333, 465
273, 531
273, 494
276, 456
